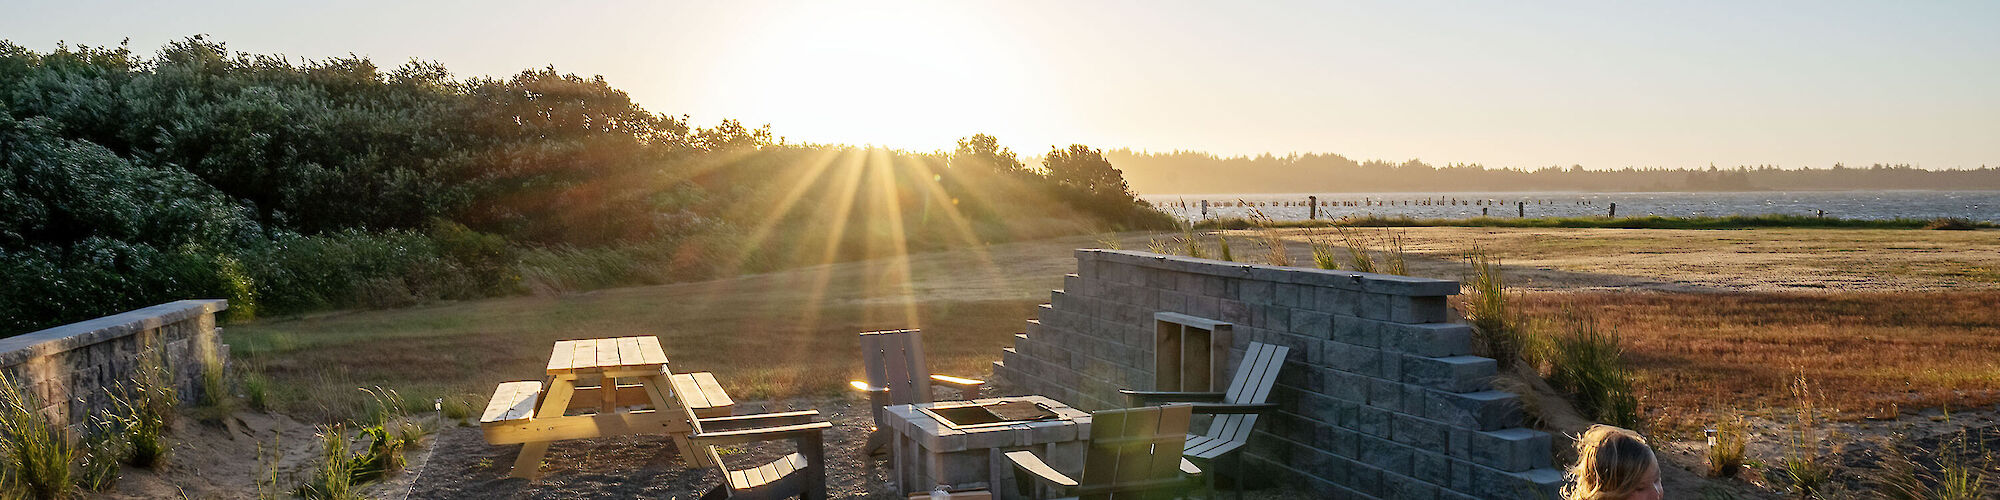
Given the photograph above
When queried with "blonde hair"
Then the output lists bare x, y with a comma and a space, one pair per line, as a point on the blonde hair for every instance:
1610, 463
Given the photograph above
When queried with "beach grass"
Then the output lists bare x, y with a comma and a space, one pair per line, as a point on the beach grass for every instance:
1641, 222
1886, 351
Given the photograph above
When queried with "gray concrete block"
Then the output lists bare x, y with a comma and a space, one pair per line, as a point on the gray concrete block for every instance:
1401, 487
1357, 331
1335, 301
1232, 311
1484, 410
1386, 395
1312, 324
1287, 295
1386, 455
1431, 467
1276, 318
1418, 309
1456, 373
1421, 433
1258, 293
1512, 450
1372, 421
1431, 339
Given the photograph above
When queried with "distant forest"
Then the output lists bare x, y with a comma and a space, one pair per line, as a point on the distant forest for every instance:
1197, 172
291, 185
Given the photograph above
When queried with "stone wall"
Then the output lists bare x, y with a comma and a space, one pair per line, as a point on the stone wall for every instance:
73, 368
1379, 397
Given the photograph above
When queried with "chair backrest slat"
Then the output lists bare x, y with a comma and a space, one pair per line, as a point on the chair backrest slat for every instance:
1134, 446
895, 359
1252, 385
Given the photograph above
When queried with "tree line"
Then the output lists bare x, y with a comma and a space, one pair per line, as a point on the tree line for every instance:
1198, 172
290, 186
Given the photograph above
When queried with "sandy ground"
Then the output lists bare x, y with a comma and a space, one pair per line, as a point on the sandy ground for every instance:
216, 461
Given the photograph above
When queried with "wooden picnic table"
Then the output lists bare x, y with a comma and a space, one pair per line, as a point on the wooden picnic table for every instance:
648, 402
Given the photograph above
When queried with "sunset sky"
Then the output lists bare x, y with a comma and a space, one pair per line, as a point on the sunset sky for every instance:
1517, 84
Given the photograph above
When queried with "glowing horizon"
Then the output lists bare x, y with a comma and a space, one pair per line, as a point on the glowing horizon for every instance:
1499, 84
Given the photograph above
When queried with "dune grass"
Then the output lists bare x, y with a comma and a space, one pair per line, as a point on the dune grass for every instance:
1641, 222
1885, 351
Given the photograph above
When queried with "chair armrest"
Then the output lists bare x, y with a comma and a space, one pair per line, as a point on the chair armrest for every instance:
758, 420
1145, 398
726, 438
955, 381
1026, 461
1234, 408
864, 387
968, 388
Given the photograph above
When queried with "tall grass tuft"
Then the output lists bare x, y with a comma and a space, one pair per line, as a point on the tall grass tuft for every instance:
1957, 472
1396, 258
1804, 466
1499, 326
97, 466
1725, 454
333, 478
1583, 358
1324, 256
144, 410
37, 452
1357, 251
1222, 247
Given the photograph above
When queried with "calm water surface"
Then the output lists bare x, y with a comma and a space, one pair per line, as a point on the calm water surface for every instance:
1975, 205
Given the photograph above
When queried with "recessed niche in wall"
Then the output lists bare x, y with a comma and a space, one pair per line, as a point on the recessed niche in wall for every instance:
1190, 354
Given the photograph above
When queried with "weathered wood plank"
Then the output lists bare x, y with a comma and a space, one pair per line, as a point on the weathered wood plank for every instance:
577, 427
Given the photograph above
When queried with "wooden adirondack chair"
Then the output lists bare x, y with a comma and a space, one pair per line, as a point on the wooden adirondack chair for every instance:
1235, 411
1133, 454
897, 375
801, 474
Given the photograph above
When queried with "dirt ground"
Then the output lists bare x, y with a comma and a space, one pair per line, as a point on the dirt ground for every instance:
217, 461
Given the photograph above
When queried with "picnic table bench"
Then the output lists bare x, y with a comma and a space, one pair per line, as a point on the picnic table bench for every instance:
535, 414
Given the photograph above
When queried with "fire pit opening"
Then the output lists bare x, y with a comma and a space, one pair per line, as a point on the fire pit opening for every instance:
990, 414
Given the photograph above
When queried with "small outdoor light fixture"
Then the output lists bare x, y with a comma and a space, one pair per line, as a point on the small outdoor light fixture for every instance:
1711, 436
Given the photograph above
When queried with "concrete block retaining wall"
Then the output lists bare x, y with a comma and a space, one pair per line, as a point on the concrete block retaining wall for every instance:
73, 368
1379, 397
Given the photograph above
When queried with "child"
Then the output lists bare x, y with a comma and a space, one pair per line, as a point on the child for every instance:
1613, 464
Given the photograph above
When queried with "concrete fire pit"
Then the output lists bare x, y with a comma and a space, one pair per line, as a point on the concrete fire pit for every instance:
929, 451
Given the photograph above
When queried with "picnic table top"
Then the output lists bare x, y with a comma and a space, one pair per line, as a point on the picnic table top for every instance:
612, 354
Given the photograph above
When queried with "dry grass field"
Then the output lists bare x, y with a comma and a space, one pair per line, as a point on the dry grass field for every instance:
1873, 354
1703, 333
